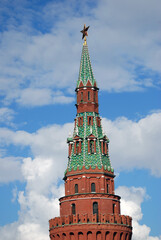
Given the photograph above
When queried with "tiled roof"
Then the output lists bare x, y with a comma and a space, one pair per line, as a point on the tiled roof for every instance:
83, 132
84, 158
85, 72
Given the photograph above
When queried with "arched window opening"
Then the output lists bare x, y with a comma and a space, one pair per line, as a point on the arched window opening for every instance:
73, 209
88, 96
107, 146
114, 205
76, 188
121, 236
98, 235
89, 235
90, 120
126, 236
95, 209
93, 188
114, 236
72, 237
81, 96
107, 236
107, 188
64, 236
91, 146
80, 236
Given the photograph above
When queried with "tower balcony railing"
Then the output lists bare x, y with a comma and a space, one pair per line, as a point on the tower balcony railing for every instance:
90, 219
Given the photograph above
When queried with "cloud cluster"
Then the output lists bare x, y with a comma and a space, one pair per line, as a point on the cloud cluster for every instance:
10, 169
135, 144
6, 115
48, 147
38, 67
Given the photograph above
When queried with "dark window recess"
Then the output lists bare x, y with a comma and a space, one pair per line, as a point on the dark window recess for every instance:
88, 96
114, 208
90, 120
76, 188
107, 188
93, 188
95, 209
91, 146
114, 236
73, 208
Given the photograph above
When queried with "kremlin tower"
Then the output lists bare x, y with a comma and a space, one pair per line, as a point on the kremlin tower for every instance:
90, 210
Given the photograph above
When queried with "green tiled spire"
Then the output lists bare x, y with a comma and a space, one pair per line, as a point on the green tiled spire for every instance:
84, 158
85, 72
84, 131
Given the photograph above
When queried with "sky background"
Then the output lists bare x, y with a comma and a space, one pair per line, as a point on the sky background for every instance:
40, 50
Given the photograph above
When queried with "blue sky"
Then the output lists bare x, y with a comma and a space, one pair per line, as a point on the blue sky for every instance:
40, 49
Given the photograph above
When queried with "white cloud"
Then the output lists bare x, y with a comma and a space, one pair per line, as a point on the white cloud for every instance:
14, 194
131, 200
10, 169
135, 144
8, 235
31, 231
49, 147
41, 97
6, 115
126, 46
35, 97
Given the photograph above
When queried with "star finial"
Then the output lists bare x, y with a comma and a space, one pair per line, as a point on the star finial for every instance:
85, 33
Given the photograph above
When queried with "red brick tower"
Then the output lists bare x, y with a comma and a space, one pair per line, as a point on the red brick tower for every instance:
90, 210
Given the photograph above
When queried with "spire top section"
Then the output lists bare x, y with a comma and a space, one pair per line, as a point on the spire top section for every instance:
86, 76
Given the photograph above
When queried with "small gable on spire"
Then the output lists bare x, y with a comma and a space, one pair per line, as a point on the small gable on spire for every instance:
89, 83
95, 84
91, 136
81, 84
77, 137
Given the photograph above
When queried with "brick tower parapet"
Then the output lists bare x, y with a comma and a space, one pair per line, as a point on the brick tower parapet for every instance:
90, 210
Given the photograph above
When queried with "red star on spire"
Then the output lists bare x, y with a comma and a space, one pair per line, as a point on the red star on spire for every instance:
84, 31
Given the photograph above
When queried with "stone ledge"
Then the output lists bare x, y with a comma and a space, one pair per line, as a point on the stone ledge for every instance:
90, 219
